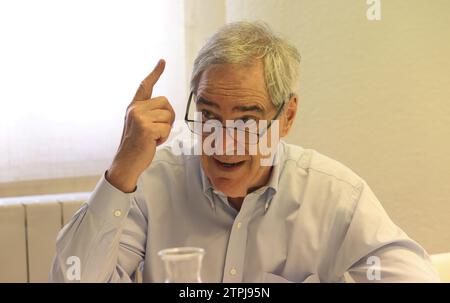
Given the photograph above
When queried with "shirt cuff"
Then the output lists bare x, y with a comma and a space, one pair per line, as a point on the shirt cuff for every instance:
109, 204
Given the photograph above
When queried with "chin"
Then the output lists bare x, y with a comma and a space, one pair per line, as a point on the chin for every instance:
230, 187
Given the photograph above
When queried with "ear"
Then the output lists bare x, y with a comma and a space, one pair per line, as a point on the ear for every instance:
289, 113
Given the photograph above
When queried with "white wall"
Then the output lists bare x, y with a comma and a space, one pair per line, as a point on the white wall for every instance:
374, 95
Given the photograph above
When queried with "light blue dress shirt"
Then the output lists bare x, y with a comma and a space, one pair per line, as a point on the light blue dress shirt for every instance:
315, 220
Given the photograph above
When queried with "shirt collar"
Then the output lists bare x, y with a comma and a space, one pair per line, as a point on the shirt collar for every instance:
277, 164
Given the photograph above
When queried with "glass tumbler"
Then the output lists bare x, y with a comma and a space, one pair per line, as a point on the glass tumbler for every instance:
182, 264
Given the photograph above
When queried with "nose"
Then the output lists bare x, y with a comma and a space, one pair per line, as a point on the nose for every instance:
228, 146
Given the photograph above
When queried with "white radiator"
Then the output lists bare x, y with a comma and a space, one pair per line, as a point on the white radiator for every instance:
28, 229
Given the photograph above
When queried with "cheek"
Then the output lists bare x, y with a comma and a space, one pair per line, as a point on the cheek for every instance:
255, 165
205, 163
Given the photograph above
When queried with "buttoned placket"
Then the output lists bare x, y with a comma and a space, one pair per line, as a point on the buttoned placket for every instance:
236, 248
233, 270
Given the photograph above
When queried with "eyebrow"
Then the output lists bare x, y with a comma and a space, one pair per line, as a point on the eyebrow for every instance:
239, 108
249, 108
203, 101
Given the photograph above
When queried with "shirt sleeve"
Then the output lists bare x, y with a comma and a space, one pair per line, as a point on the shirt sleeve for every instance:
104, 241
374, 249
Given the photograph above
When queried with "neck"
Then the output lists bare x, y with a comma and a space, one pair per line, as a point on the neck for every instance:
237, 202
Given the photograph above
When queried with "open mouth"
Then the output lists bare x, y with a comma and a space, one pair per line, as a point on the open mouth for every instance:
229, 165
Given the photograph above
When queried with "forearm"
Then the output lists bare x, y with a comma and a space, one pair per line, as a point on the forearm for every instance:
87, 248
399, 262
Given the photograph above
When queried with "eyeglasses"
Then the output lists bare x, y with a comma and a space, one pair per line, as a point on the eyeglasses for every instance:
247, 132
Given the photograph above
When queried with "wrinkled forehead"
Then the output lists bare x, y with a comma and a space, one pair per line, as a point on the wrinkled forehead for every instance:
228, 84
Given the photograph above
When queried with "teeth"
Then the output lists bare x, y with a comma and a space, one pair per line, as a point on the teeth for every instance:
230, 164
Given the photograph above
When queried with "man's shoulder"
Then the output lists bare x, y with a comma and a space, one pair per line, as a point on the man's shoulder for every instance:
322, 183
311, 163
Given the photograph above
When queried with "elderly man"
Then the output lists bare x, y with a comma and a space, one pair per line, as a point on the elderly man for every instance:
302, 217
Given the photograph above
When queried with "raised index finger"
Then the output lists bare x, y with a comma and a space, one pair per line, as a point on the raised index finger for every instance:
145, 89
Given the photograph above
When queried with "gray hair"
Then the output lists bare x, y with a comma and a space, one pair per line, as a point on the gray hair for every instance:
243, 43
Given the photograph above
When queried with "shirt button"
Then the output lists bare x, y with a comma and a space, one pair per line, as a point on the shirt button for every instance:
239, 225
233, 271
117, 213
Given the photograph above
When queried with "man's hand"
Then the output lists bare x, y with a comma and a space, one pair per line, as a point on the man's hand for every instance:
148, 122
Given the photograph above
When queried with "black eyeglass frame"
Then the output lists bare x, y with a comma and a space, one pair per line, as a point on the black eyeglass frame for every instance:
186, 120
